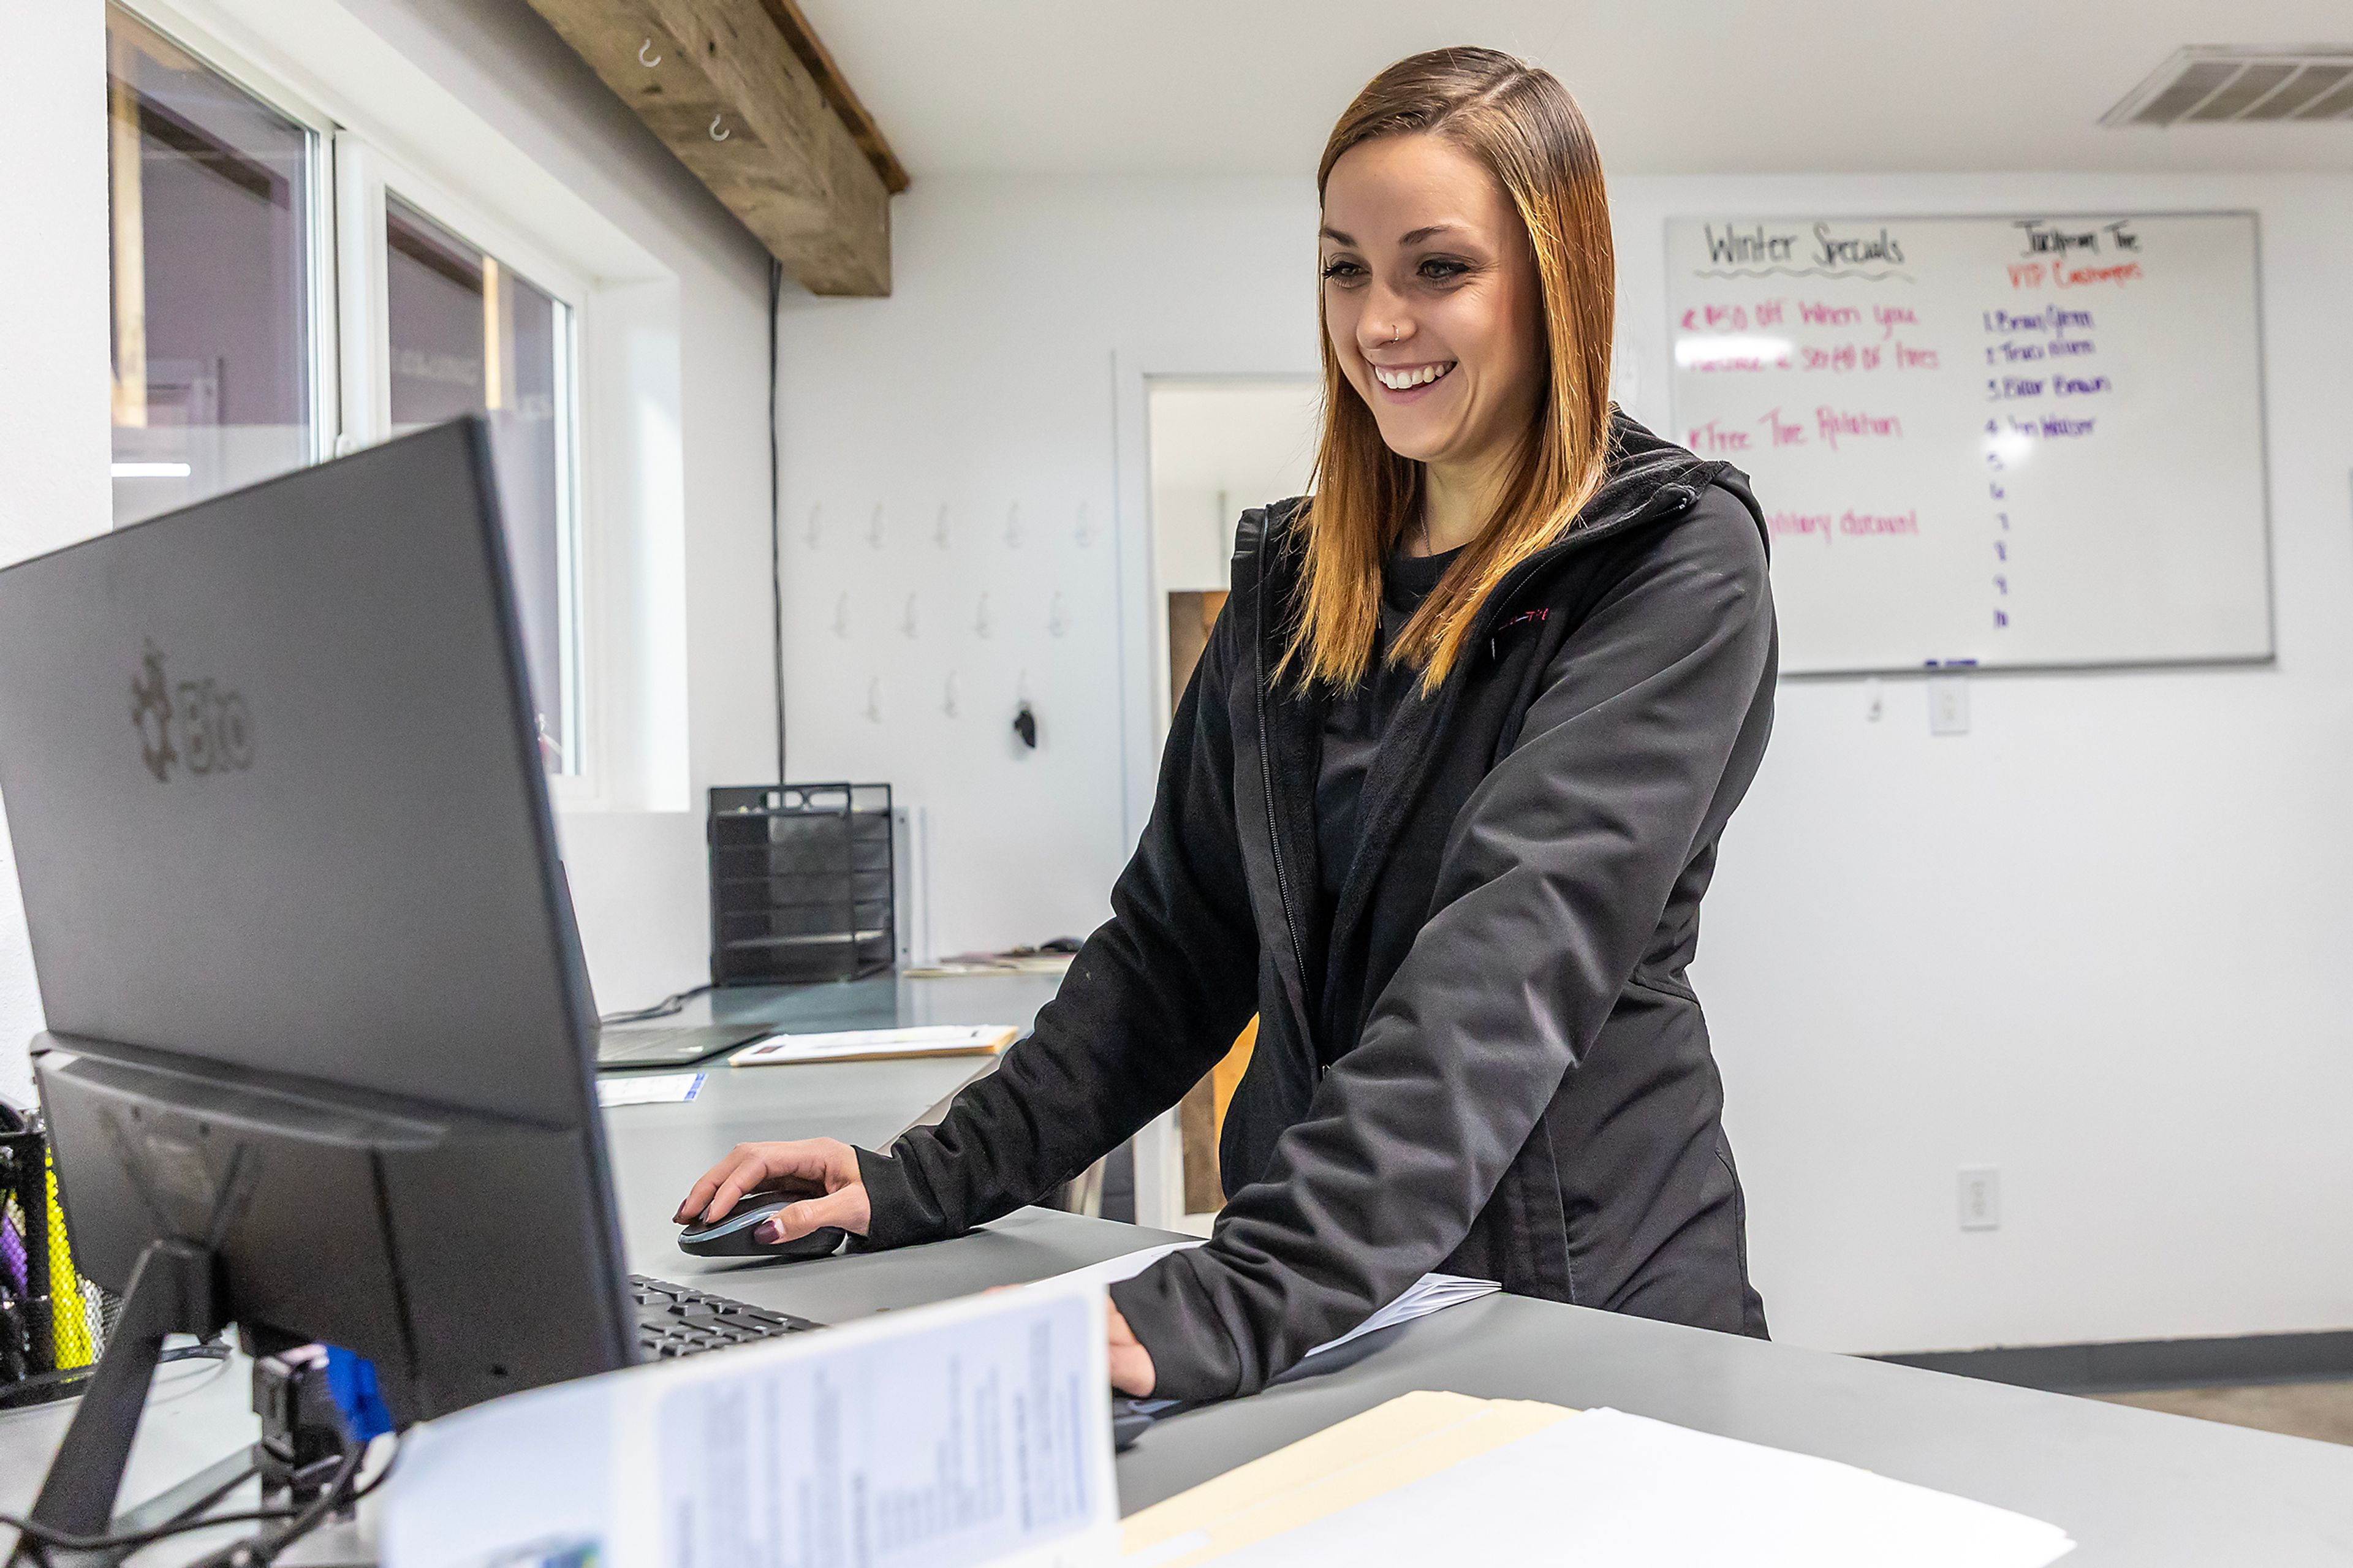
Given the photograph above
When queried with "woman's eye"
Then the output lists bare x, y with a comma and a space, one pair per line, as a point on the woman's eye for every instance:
1342, 272
1440, 271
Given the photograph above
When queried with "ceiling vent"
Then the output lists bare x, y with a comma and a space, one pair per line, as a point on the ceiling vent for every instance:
2214, 84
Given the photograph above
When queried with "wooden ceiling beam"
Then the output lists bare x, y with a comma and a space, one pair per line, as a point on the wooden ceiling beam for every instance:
838, 92
732, 96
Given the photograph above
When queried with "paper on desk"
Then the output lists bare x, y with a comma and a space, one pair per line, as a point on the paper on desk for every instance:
969, 1433
1410, 1436
1431, 1293
1628, 1490
873, 1045
651, 1088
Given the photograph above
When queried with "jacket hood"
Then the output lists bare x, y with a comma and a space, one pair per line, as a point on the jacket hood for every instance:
1641, 464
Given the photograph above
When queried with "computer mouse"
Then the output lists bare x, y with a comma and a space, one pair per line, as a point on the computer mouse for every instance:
735, 1236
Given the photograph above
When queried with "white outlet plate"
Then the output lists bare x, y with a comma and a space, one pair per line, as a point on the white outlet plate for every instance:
1980, 1196
1949, 705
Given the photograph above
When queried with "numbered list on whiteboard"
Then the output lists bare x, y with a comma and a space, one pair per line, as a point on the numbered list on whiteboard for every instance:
2010, 440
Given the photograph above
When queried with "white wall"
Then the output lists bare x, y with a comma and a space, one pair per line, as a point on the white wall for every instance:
2096, 943
53, 375
482, 98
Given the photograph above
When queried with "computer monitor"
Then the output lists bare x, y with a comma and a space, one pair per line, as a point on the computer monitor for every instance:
320, 1049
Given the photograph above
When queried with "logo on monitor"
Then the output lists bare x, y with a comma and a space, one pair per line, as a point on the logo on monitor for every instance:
195, 725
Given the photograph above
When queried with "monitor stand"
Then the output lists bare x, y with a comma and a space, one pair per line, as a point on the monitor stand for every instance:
175, 1288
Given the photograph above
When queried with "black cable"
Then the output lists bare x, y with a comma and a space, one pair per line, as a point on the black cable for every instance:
777, 511
263, 1551
45, 1538
662, 1009
202, 1350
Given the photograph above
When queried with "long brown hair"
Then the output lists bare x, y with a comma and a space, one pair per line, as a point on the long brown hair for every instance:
1522, 123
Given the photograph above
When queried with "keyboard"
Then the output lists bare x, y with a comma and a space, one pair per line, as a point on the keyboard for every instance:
677, 1319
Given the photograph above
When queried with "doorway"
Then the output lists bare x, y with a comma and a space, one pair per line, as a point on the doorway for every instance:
1218, 446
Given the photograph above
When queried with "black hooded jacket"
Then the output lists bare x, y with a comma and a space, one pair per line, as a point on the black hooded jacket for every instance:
1485, 1056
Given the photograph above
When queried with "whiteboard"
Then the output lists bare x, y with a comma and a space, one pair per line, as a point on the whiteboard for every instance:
1993, 440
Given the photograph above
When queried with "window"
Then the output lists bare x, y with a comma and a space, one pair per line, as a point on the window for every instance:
215, 239
470, 336
238, 351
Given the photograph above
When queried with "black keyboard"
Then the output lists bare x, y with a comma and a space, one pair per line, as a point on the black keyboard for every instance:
675, 1320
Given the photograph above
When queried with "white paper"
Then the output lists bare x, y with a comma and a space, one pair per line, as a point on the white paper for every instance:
1431, 1293
973, 1432
848, 1045
1606, 1486
653, 1089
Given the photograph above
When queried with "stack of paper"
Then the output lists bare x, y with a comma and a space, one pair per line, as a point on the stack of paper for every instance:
650, 1088
1438, 1477
967, 1434
878, 1044
1431, 1293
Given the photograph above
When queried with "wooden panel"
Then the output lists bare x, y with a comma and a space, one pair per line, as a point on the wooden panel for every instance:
1201, 1121
1190, 618
730, 96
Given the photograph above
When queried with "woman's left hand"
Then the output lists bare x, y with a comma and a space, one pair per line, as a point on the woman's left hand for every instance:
1131, 1363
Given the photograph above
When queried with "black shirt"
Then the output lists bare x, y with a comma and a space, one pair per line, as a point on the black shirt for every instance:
1356, 722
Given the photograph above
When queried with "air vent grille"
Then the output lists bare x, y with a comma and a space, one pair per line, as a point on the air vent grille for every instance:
2205, 85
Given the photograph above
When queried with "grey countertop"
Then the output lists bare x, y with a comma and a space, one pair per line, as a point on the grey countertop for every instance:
2132, 1486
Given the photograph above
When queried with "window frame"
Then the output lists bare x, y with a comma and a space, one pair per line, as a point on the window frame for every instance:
347, 174
364, 178
320, 323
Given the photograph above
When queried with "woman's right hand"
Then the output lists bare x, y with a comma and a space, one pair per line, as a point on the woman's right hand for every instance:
824, 1169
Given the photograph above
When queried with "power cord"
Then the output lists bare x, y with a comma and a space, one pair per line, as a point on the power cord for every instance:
662, 1009
42, 1539
777, 511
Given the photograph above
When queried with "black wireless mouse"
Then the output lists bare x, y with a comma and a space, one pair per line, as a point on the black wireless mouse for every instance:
734, 1235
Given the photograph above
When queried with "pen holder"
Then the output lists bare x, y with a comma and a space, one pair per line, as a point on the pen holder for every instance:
53, 1322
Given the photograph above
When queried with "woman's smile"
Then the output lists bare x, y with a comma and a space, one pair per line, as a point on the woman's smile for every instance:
1408, 382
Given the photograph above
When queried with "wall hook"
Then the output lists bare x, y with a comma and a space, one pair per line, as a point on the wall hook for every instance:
1085, 532
1013, 525
717, 134
1058, 619
814, 531
841, 616
949, 693
874, 527
874, 700
940, 527
907, 621
642, 60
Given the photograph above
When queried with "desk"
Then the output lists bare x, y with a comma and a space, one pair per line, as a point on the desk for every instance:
2133, 1487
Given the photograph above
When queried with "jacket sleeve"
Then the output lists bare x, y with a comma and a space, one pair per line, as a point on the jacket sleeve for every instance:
1151, 1001
1554, 877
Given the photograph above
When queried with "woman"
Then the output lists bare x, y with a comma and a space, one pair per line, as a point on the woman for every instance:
1439, 806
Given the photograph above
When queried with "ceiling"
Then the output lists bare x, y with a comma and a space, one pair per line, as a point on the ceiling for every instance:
1672, 87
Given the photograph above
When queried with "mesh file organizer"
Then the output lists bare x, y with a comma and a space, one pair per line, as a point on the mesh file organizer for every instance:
801, 883
53, 1322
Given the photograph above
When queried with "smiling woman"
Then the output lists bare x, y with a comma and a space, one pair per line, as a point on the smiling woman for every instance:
1439, 805
1469, 301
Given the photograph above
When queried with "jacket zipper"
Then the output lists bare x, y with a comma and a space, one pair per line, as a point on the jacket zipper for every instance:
1266, 788
1501, 601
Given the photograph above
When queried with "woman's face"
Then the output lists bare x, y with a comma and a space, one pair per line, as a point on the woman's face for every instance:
1432, 299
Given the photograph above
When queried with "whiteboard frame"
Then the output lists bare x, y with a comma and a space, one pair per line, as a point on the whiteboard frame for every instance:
2270, 655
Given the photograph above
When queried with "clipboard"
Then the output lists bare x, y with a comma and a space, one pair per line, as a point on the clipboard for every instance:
877, 1045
